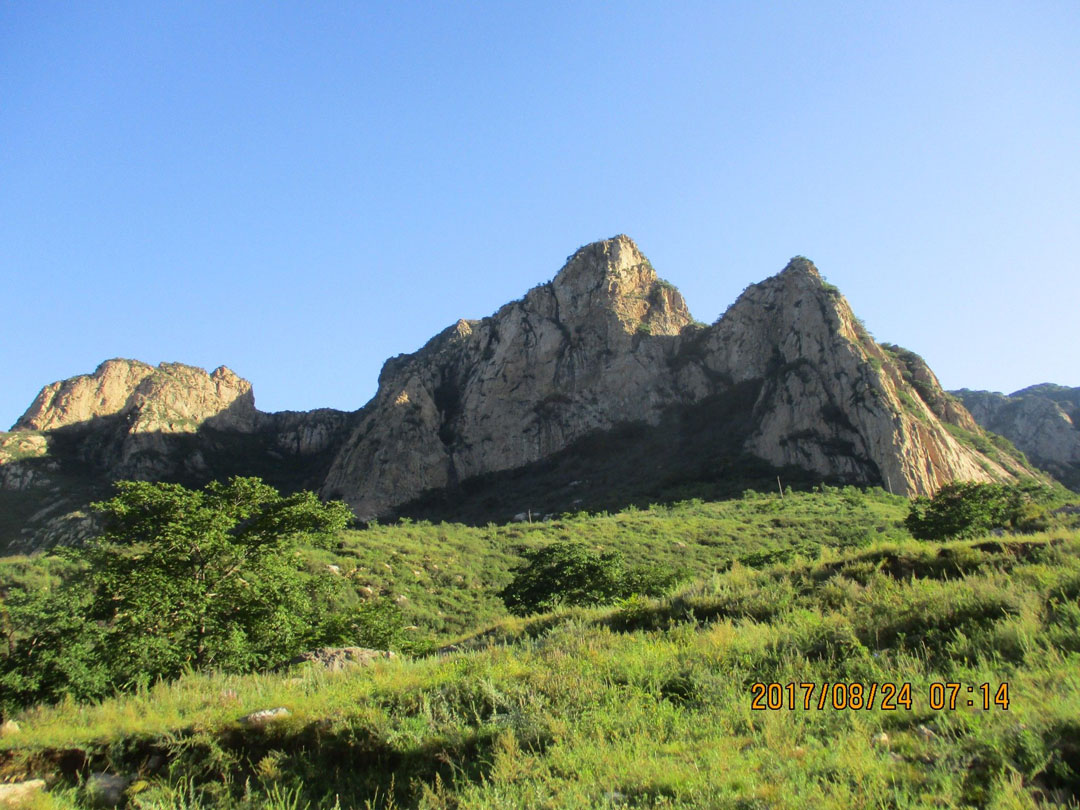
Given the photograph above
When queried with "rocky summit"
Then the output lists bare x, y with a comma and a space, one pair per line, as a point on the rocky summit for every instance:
595, 386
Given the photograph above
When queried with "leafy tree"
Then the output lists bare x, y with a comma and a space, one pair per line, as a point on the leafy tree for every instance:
375, 623
205, 578
181, 579
967, 509
51, 650
572, 574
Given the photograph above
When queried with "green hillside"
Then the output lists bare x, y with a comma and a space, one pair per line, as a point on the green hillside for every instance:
648, 703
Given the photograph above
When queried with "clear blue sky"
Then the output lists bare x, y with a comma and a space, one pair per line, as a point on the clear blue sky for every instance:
301, 190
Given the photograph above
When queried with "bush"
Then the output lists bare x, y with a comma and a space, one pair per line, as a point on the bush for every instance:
572, 574
967, 509
179, 579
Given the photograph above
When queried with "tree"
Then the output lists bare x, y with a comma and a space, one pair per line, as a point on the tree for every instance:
967, 509
51, 650
185, 578
572, 574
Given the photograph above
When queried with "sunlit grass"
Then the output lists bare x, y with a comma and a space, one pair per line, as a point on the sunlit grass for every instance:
646, 703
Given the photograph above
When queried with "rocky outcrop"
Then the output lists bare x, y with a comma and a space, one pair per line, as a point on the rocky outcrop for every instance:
129, 420
608, 343
127, 412
833, 401
171, 398
338, 658
1043, 421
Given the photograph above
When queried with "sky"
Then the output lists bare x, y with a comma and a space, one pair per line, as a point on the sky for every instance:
301, 190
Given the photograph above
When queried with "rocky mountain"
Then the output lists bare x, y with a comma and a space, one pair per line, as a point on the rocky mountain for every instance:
606, 342
130, 420
593, 389
1043, 421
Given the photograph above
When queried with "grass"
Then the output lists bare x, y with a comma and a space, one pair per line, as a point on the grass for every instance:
449, 573
646, 703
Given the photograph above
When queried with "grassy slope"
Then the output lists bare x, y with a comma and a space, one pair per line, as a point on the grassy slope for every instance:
449, 573
647, 704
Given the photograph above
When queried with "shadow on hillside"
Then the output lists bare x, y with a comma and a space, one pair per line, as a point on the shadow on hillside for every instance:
695, 452
86, 457
352, 765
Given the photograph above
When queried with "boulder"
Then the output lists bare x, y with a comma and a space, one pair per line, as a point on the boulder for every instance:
106, 789
9, 728
264, 717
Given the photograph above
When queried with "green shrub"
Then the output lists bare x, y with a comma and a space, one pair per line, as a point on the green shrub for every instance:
572, 574
967, 509
179, 579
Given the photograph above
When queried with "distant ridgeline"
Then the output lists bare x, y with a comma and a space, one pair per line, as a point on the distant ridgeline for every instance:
594, 390
1043, 421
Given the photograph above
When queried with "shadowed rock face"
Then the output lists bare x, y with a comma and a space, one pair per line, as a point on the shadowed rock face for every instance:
134, 410
1043, 421
833, 400
787, 377
582, 353
607, 342
129, 420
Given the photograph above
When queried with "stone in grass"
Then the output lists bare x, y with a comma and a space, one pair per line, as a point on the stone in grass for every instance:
335, 658
264, 717
106, 789
881, 740
9, 728
20, 794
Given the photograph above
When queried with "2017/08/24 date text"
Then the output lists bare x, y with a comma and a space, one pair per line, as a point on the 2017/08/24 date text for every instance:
886, 696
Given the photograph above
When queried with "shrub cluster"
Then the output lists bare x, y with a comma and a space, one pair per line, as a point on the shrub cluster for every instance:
963, 509
184, 580
572, 574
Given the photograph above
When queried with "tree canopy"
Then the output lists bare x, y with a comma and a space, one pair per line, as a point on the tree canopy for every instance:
180, 579
968, 508
572, 574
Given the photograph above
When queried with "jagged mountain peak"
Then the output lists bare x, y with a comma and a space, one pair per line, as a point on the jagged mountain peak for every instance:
605, 344
601, 367
613, 277
801, 265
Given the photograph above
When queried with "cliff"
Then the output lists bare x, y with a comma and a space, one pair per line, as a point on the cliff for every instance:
608, 343
1043, 421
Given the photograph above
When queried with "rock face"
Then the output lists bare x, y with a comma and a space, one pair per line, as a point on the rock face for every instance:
607, 343
575, 355
171, 398
602, 365
132, 409
129, 420
833, 401
1043, 421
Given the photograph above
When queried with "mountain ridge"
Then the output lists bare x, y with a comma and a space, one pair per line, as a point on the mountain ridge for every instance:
787, 375
1042, 420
